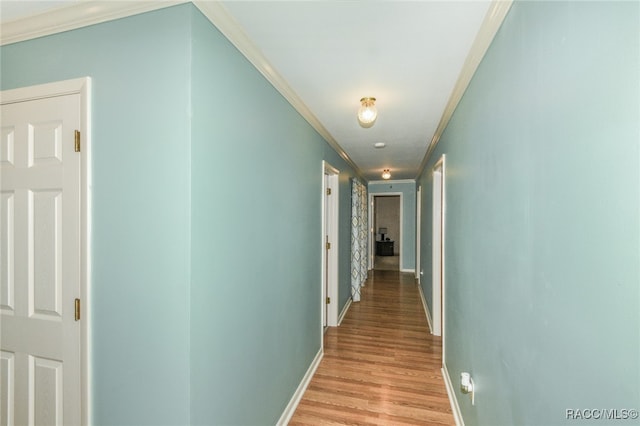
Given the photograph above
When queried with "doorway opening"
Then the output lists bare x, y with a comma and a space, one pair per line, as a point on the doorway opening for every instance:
438, 232
44, 222
418, 272
387, 232
330, 209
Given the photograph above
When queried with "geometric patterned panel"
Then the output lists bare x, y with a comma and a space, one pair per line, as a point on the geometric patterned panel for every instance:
358, 237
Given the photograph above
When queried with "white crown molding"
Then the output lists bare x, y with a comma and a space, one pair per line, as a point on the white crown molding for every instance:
492, 22
78, 15
226, 23
89, 12
85, 13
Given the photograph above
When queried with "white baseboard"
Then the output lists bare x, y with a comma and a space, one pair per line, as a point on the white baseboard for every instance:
426, 308
408, 270
297, 396
344, 311
457, 415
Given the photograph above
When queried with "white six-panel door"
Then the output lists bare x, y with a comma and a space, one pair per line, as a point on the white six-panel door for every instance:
40, 262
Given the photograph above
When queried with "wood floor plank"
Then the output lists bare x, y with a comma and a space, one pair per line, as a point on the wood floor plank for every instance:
381, 366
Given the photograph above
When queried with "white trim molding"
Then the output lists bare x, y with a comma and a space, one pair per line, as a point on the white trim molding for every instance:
344, 310
453, 400
78, 15
87, 13
418, 233
227, 24
492, 22
330, 229
426, 307
438, 248
290, 409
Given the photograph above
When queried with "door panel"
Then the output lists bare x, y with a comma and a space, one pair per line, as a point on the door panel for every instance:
40, 254
45, 391
45, 280
7, 388
7, 283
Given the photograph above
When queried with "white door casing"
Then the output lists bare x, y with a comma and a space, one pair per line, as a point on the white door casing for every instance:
43, 259
325, 262
330, 209
438, 173
418, 270
372, 231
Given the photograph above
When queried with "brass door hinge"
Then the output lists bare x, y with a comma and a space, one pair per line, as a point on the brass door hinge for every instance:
328, 246
77, 309
328, 300
328, 191
77, 140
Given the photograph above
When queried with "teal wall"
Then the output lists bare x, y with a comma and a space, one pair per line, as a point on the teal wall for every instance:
408, 190
140, 234
256, 243
344, 224
542, 220
206, 244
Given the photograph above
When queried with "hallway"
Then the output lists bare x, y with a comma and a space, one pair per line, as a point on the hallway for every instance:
381, 366
387, 263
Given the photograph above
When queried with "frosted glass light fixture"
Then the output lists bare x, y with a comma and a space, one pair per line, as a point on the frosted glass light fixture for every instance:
367, 113
386, 174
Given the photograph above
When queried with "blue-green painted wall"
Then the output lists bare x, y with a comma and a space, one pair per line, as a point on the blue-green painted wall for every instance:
140, 217
206, 221
256, 242
408, 190
542, 219
344, 224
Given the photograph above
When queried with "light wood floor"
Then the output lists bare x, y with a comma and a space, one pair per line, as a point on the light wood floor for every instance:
387, 263
381, 366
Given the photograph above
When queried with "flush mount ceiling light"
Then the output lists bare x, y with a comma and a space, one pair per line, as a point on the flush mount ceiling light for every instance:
386, 174
379, 145
367, 113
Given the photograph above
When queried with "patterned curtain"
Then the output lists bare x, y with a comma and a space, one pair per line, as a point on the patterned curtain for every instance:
358, 237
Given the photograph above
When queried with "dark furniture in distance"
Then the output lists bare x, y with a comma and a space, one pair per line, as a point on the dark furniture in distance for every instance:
384, 248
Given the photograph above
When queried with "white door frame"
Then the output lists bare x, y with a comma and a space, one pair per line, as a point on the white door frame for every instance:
418, 230
81, 86
438, 245
372, 232
330, 209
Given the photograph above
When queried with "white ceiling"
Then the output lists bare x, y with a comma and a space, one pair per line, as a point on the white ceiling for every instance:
407, 54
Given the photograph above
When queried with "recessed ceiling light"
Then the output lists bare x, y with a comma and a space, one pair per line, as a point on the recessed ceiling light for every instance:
379, 144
